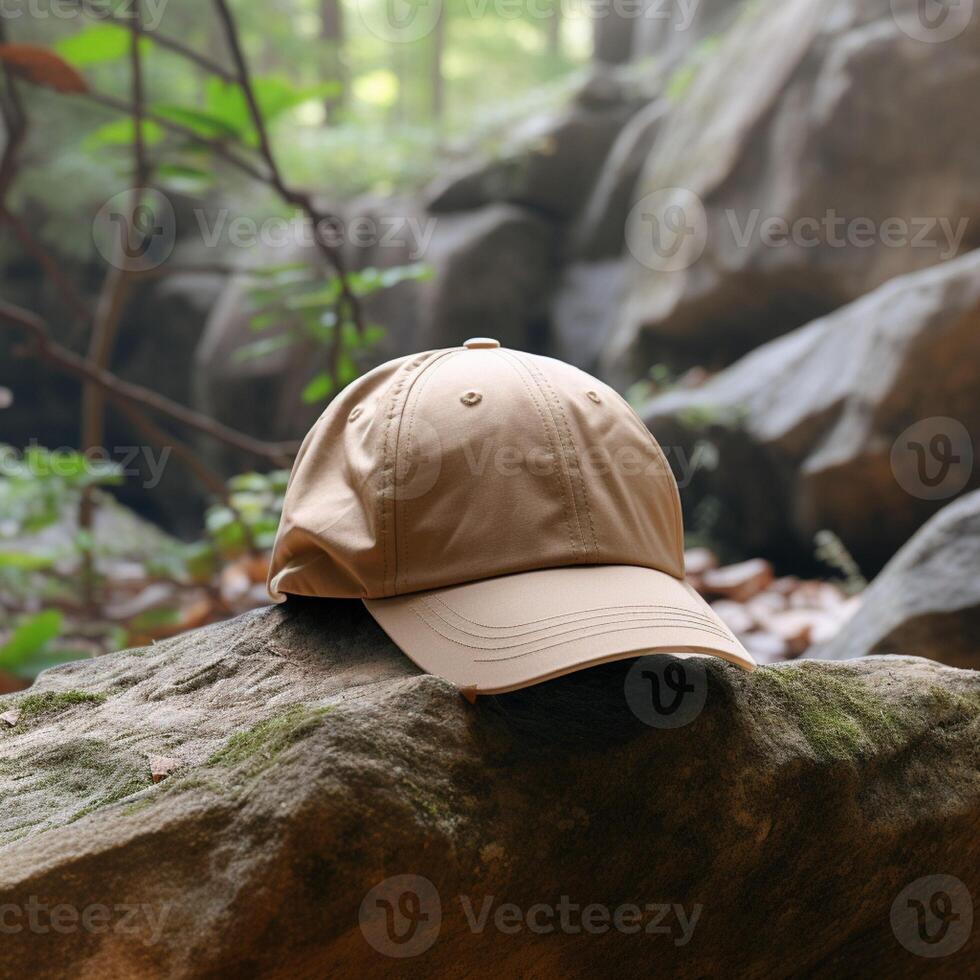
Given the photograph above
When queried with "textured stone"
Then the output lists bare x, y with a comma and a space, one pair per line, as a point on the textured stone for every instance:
317, 762
821, 117
926, 601
807, 427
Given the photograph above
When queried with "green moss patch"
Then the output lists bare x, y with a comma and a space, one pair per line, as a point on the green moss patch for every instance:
51, 702
836, 713
259, 745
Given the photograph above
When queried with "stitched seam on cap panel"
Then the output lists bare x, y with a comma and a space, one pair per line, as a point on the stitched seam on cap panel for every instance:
566, 468
542, 379
545, 619
422, 379
396, 390
550, 646
514, 362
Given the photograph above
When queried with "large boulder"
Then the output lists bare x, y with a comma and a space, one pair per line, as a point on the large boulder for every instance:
313, 782
599, 231
864, 422
583, 311
493, 272
547, 165
667, 32
926, 601
772, 194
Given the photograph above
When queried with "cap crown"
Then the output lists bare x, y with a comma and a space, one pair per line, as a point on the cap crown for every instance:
464, 464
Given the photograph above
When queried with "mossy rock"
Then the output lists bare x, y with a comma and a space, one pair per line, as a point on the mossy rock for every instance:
314, 761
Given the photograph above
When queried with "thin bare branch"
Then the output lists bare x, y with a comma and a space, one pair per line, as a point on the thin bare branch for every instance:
162, 439
123, 391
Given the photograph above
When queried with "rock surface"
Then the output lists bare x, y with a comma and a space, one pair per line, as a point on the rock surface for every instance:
784, 144
926, 601
302, 760
668, 31
584, 310
599, 231
819, 429
493, 272
548, 166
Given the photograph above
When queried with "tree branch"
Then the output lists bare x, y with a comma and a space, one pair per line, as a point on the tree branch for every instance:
170, 44
123, 391
347, 302
14, 122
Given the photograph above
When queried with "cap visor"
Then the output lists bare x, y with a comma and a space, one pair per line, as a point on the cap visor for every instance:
505, 633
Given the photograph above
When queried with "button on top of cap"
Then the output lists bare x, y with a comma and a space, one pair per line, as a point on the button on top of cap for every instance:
481, 343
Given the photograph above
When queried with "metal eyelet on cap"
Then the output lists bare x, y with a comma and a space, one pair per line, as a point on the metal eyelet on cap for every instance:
481, 343
471, 398
594, 396
355, 414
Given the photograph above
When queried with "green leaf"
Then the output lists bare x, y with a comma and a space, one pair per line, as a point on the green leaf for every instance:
346, 369
122, 132
24, 561
373, 334
273, 95
325, 296
200, 560
218, 518
249, 483
207, 124
262, 321
30, 638
262, 348
318, 388
278, 479
182, 171
97, 44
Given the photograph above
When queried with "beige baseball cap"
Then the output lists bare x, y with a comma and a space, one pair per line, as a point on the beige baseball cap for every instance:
505, 517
